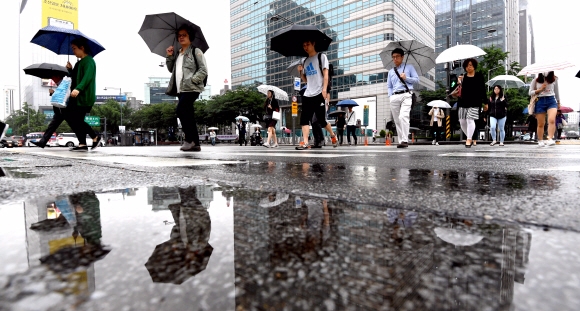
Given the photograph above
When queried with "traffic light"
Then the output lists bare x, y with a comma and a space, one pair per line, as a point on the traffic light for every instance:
452, 82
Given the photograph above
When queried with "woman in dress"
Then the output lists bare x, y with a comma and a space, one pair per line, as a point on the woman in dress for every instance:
472, 97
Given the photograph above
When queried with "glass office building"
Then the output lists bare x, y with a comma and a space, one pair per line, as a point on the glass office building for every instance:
360, 29
479, 22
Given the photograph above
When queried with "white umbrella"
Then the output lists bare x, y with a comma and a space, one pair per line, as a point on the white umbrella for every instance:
245, 119
280, 198
280, 94
507, 81
458, 52
439, 104
456, 237
256, 125
544, 67
417, 54
212, 128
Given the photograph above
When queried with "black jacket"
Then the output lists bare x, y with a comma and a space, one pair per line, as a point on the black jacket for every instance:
340, 122
497, 108
473, 93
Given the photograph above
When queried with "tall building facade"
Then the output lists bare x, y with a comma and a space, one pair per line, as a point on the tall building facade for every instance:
359, 30
527, 44
8, 101
478, 22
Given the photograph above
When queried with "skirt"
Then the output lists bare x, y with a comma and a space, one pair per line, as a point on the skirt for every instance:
468, 113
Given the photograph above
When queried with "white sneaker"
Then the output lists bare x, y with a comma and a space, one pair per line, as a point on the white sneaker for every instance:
275, 146
541, 144
434, 142
186, 146
266, 145
6, 127
550, 142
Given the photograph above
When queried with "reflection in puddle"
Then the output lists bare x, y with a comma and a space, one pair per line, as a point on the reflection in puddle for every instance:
15, 172
217, 248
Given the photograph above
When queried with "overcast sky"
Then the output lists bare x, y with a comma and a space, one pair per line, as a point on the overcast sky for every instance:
127, 62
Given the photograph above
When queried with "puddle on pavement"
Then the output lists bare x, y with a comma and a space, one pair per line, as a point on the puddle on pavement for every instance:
16, 172
217, 248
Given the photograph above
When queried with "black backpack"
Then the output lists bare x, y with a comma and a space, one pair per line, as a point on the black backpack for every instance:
197, 68
330, 71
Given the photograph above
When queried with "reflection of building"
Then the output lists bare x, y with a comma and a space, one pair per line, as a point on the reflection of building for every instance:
470, 22
205, 195
9, 97
161, 197
360, 30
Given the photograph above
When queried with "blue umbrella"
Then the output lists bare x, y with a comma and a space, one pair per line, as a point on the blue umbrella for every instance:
58, 40
526, 110
347, 103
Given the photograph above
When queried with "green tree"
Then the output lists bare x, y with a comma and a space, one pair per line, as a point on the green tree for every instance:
26, 120
111, 110
155, 116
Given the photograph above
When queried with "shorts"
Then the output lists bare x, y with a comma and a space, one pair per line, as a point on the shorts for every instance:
545, 103
313, 106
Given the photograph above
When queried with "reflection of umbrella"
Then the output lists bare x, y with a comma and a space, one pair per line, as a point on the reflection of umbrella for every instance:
278, 93
58, 40
544, 67
402, 217
506, 81
456, 237
293, 68
69, 258
458, 52
347, 103
46, 70
245, 119
439, 104
288, 41
565, 109
159, 31
212, 128
256, 125
274, 200
417, 54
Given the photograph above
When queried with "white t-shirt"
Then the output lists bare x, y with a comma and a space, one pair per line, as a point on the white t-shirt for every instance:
314, 78
179, 71
351, 118
435, 113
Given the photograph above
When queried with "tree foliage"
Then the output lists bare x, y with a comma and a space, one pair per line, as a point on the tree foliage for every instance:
155, 116
26, 120
111, 110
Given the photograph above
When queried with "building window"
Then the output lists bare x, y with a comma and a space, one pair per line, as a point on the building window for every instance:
389, 37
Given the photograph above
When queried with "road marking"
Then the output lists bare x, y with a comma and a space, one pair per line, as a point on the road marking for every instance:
512, 155
563, 168
302, 154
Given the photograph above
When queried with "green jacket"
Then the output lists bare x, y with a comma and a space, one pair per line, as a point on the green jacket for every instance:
85, 81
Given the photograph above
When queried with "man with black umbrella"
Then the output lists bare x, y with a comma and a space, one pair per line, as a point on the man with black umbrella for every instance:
314, 101
57, 118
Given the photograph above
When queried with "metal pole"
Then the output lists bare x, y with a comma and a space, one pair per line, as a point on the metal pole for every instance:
448, 111
19, 82
105, 135
121, 108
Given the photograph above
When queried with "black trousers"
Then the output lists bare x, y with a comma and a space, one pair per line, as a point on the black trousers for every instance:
317, 131
75, 117
242, 139
351, 130
57, 119
186, 114
340, 135
436, 131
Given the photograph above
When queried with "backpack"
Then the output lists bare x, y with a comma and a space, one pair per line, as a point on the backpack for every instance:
197, 68
330, 71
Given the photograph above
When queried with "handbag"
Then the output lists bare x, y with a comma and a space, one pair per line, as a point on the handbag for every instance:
275, 115
564, 122
62, 93
532, 105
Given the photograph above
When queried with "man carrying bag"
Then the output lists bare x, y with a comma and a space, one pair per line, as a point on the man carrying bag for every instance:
400, 82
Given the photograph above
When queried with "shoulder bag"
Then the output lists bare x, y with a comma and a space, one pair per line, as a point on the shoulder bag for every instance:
532, 104
413, 96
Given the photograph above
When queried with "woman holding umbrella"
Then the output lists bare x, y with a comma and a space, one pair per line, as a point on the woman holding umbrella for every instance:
271, 105
473, 95
497, 114
546, 88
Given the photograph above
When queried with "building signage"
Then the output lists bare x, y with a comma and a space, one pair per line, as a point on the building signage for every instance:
118, 98
366, 115
294, 109
297, 84
93, 120
60, 13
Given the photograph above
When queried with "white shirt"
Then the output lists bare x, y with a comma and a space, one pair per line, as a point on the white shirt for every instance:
314, 78
435, 113
179, 71
351, 118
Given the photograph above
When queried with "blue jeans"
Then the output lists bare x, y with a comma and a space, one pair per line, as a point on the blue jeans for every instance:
213, 141
501, 123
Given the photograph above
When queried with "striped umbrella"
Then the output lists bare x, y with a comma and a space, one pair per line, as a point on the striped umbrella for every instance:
544, 67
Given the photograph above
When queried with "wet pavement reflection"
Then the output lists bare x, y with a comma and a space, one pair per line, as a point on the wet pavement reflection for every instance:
210, 247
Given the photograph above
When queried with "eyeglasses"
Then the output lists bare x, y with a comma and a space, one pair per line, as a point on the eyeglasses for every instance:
396, 56
182, 35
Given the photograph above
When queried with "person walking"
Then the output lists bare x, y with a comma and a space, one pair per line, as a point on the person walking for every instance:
351, 126
314, 100
436, 123
400, 81
545, 86
270, 106
560, 120
532, 124
473, 95
57, 118
497, 110
188, 74
83, 94
340, 125
212, 137
241, 132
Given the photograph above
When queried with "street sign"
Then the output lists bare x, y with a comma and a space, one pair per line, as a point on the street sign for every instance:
294, 109
366, 115
296, 84
93, 120
9, 131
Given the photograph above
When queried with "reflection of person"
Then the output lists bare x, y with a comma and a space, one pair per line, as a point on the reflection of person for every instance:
497, 114
473, 95
270, 106
242, 132
188, 71
317, 223
57, 118
83, 94
436, 123
401, 94
545, 86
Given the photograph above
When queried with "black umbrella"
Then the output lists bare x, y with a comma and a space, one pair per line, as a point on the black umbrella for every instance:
45, 70
69, 258
159, 32
289, 40
578, 74
336, 113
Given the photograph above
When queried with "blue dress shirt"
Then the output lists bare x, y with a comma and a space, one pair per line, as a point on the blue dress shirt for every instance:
393, 82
